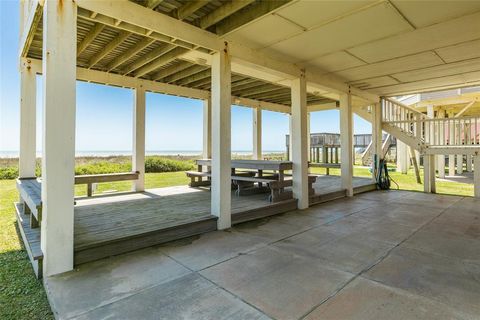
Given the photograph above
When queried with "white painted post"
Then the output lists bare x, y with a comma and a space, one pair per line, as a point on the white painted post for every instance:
451, 138
468, 132
309, 140
441, 157
429, 173
469, 163
290, 137
58, 162
376, 135
459, 163
402, 157
346, 142
299, 141
138, 157
221, 136
28, 117
207, 129
476, 176
257, 133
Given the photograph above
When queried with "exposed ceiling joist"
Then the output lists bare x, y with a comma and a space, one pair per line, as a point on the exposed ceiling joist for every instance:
159, 62
198, 76
189, 7
89, 37
183, 74
30, 27
108, 48
257, 90
248, 15
152, 4
129, 53
171, 70
143, 60
222, 12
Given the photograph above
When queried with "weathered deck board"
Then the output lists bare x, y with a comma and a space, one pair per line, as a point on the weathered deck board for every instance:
119, 216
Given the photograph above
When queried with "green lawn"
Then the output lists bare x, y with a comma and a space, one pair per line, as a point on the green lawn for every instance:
22, 296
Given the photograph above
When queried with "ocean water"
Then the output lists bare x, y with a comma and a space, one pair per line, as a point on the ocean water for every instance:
99, 153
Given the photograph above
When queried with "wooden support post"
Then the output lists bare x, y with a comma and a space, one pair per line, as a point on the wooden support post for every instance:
476, 176
290, 126
138, 157
221, 136
429, 174
459, 163
28, 116
257, 133
300, 141
413, 158
309, 139
451, 139
207, 129
440, 139
468, 139
58, 162
402, 157
346, 142
376, 137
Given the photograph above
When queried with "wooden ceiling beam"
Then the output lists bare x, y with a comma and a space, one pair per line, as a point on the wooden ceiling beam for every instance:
108, 48
160, 61
198, 76
260, 89
130, 53
247, 15
89, 37
223, 12
189, 7
152, 4
180, 66
183, 74
143, 60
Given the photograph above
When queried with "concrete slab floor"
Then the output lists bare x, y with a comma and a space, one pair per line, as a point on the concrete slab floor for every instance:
380, 255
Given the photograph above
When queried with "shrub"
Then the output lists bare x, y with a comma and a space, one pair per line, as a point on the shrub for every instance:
158, 164
95, 166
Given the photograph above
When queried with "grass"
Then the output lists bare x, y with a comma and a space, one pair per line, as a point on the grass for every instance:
23, 297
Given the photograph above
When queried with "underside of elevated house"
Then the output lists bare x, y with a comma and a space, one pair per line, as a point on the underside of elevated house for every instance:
292, 57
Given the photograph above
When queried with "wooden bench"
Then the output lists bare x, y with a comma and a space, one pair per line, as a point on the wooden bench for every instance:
31, 195
90, 179
328, 166
273, 185
29, 217
196, 178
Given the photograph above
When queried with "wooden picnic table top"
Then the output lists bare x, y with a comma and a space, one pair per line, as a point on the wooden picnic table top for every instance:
253, 164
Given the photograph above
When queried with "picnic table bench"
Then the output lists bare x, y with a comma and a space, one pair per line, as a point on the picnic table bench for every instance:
255, 180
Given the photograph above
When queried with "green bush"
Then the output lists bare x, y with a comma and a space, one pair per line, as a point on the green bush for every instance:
152, 164
158, 164
8, 173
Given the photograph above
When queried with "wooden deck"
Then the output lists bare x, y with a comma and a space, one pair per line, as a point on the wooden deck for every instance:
113, 224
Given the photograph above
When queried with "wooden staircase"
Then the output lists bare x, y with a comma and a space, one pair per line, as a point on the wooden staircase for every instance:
427, 135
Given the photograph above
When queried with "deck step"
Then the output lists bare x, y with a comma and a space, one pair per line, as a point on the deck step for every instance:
31, 239
320, 198
130, 243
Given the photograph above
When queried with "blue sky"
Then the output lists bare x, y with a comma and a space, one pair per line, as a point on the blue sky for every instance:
104, 114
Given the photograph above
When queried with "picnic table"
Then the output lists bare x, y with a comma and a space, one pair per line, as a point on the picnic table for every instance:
251, 176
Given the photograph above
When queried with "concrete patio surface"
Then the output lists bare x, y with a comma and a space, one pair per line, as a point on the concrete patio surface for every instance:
379, 255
